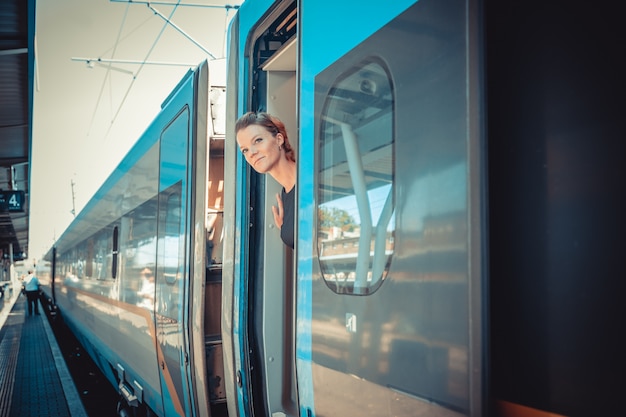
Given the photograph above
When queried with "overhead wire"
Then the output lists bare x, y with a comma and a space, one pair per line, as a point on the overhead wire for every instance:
141, 66
139, 26
109, 66
108, 69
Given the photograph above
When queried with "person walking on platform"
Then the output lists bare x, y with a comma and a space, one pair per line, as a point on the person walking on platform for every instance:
31, 288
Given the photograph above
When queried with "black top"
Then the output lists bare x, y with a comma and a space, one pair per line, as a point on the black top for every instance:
286, 231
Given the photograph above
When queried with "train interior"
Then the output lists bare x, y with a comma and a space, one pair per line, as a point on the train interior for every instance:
214, 253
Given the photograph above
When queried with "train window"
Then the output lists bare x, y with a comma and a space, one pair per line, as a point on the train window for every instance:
114, 252
80, 262
89, 258
355, 215
102, 247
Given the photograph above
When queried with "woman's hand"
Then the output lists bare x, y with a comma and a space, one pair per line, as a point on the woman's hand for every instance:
278, 212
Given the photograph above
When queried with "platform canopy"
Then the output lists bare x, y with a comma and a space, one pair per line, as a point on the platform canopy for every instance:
17, 26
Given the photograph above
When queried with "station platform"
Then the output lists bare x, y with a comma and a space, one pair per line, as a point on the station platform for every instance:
34, 379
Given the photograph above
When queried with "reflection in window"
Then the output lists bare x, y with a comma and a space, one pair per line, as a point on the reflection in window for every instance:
173, 236
355, 225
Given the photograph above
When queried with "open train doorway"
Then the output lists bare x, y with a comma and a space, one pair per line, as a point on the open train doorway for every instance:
271, 277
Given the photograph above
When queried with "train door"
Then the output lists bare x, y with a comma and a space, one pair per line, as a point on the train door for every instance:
171, 273
267, 367
389, 288
275, 298
277, 79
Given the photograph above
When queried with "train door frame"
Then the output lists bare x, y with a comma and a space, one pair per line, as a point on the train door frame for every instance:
198, 379
272, 87
205, 309
281, 78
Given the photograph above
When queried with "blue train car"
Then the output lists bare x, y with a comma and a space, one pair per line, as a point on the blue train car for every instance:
451, 155
455, 192
370, 315
127, 276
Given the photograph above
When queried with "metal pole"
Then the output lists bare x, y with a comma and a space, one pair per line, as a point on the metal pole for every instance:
131, 61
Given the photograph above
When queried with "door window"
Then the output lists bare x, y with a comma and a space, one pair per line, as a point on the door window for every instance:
355, 214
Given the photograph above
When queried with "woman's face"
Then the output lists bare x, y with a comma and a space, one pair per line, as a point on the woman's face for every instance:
260, 148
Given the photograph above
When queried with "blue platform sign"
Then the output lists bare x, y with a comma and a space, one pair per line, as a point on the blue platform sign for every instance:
11, 200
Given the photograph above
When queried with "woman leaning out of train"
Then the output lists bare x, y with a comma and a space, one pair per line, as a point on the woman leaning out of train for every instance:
263, 140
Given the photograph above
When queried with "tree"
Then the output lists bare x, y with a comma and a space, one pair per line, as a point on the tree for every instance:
336, 217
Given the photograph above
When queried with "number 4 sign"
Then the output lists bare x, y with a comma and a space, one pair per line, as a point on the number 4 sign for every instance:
11, 200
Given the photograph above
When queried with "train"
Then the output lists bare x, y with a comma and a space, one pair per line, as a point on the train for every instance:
458, 232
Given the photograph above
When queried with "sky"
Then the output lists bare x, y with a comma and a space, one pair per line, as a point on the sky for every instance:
86, 117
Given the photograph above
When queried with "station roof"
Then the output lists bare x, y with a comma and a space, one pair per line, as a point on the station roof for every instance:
17, 27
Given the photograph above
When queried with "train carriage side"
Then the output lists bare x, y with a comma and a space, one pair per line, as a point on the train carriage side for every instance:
388, 285
130, 271
426, 280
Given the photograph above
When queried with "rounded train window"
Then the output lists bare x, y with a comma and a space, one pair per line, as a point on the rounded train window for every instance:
355, 213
